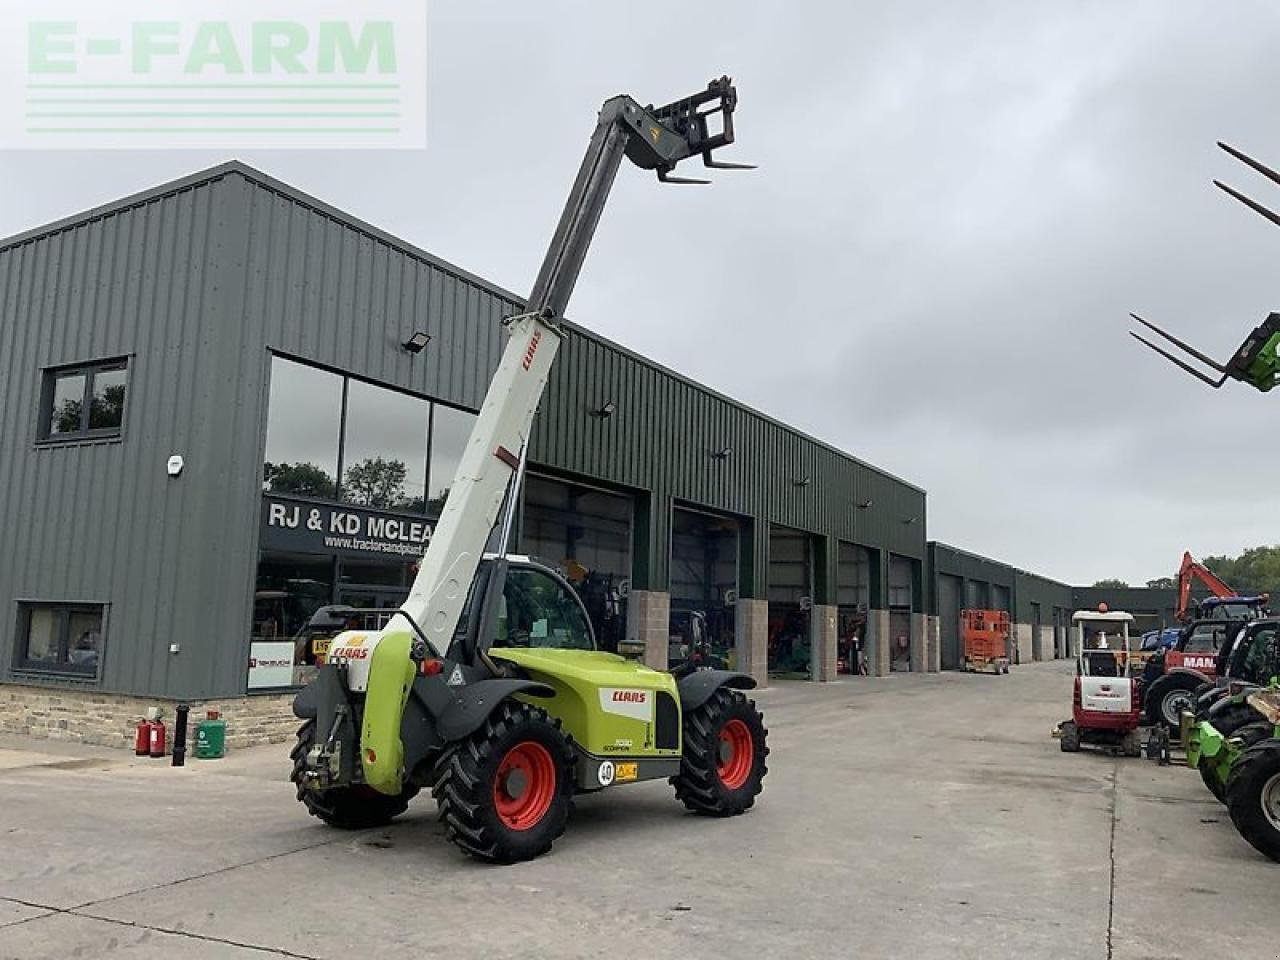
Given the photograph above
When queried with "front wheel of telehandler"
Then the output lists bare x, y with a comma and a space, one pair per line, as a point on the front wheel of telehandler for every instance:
723, 764
504, 792
348, 808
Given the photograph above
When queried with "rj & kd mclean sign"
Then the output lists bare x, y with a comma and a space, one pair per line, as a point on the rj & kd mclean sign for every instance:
310, 527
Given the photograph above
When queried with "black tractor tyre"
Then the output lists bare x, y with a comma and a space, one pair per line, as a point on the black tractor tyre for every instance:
1248, 734
722, 767
1069, 737
347, 808
1253, 796
1165, 695
505, 792
1219, 790
1235, 718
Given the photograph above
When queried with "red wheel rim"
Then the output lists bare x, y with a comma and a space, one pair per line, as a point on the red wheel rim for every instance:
736, 754
525, 785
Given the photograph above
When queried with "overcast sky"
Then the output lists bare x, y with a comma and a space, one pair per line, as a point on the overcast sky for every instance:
957, 205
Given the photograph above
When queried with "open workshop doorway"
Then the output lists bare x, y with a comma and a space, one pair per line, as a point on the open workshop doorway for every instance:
790, 600
704, 589
853, 599
586, 532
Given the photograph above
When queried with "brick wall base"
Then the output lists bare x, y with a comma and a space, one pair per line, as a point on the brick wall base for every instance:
108, 720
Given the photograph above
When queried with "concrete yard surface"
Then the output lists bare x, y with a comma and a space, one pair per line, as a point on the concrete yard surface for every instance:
922, 816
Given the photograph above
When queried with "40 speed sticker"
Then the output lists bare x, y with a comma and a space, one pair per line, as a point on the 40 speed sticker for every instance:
605, 773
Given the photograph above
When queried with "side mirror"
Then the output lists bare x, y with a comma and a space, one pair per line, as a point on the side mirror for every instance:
631, 649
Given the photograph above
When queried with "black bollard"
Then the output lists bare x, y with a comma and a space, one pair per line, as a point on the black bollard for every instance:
180, 735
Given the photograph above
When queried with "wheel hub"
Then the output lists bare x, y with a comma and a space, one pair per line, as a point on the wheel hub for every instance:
735, 754
516, 784
1271, 801
524, 785
1173, 705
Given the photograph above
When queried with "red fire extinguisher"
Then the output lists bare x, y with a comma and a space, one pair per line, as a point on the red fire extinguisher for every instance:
142, 738
157, 740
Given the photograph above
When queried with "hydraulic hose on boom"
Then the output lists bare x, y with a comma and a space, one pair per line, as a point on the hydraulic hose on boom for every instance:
653, 139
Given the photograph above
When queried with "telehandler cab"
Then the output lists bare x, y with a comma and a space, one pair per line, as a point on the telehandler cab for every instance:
486, 684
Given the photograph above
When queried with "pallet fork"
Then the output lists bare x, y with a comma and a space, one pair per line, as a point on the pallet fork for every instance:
1257, 360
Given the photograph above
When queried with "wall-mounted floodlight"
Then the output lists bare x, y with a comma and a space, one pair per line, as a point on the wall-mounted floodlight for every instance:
605, 410
417, 343
865, 504
721, 454
801, 481
910, 520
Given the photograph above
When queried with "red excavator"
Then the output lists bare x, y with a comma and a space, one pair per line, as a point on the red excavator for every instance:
1226, 604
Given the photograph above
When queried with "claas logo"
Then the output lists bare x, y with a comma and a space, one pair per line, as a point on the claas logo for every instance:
629, 696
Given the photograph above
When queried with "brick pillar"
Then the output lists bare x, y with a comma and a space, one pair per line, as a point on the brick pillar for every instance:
1021, 652
822, 643
649, 621
919, 662
751, 636
1042, 644
877, 644
933, 643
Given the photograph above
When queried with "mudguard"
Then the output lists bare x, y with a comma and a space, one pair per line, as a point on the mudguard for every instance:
391, 673
306, 703
697, 688
473, 703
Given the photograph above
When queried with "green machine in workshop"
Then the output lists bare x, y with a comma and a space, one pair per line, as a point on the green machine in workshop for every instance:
1257, 360
486, 685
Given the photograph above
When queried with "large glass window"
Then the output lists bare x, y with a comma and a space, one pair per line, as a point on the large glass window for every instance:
303, 426
384, 451
84, 402
60, 638
338, 438
450, 431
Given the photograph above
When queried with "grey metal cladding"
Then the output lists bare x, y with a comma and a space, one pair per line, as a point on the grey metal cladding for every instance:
1027, 588
101, 521
197, 281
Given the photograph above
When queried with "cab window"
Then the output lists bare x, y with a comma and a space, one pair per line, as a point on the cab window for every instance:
1205, 639
538, 611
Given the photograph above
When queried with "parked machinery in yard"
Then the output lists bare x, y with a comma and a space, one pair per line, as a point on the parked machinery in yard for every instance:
1172, 677
1106, 708
1253, 785
984, 640
1225, 723
486, 684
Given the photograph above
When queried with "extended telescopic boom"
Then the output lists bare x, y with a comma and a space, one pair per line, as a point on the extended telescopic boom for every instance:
653, 139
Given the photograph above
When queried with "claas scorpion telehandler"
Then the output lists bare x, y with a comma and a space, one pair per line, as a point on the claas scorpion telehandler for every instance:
486, 685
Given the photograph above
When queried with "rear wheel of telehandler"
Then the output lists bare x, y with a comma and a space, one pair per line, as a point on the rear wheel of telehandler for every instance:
723, 764
348, 808
504, 792
1253, 796
1069, 737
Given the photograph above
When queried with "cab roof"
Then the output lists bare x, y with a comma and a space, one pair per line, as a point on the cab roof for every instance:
1111, 616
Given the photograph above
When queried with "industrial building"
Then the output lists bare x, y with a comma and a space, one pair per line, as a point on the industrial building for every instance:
226, 406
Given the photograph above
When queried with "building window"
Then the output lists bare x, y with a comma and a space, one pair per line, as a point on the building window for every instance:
60, 638
333, 437
84, 402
